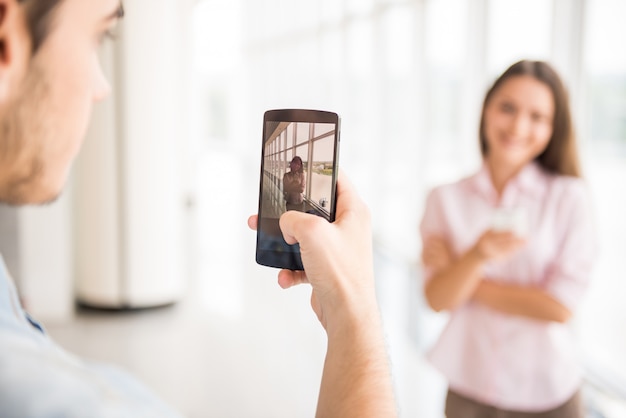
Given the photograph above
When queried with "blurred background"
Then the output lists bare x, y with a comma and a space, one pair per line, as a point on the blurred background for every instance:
156, 210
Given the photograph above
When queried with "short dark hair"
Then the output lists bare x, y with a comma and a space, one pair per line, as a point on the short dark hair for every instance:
39, 15
561, 155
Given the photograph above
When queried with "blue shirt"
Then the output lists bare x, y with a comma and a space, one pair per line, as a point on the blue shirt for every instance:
38, 379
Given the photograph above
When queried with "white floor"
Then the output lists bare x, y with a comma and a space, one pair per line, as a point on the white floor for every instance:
239, 346
264, 361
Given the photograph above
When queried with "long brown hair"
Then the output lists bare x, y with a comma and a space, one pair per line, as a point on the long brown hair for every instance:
561, 155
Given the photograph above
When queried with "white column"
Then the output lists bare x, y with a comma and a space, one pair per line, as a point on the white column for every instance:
129, 202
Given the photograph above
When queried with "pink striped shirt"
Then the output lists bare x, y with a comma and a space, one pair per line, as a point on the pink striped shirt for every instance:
513, 362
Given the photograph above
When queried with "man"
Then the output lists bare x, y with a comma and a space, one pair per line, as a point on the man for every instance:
49, 79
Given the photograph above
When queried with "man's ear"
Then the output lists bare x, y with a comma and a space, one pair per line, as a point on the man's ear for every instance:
15, 45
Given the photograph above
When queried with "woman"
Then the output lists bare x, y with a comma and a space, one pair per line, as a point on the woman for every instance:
294, 183
508, 252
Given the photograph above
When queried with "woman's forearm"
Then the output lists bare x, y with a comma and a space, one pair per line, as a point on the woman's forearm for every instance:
530, 302
455, 284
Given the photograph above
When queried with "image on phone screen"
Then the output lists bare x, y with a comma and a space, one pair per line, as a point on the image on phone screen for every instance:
299, 173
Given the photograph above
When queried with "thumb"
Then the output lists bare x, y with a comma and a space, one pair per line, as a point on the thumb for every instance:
293, 224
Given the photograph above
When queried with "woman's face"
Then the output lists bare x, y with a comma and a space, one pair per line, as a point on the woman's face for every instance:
518, 121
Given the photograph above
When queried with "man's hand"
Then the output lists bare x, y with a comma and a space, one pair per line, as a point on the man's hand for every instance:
337, 257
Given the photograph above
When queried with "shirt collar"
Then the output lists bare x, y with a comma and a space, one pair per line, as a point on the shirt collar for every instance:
531, 180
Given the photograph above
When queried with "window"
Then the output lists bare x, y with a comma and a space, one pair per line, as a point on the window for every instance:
517, 30
321, 172
604, 314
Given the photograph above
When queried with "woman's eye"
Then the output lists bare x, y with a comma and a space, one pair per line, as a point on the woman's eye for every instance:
507, 107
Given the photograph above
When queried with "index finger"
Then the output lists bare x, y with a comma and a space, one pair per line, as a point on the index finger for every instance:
289, 278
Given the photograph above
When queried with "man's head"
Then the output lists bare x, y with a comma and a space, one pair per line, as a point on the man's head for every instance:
50, 77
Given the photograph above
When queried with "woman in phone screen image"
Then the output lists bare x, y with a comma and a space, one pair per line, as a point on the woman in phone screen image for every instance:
294, 183
508, 252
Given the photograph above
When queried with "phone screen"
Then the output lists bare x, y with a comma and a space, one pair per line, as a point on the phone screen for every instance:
299, 168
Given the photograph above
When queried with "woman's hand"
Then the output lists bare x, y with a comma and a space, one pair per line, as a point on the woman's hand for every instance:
455, 280
496, 245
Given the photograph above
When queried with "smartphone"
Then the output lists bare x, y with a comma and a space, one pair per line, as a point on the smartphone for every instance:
299, 169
